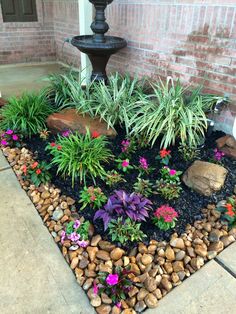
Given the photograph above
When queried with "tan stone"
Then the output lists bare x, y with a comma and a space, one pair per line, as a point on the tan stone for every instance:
178, 266
151, 301
103, 255
217, 246
69, 119
106, 245
205, 177
92, 251
116, 254
146, 259
177, 243
103, 309
170, 254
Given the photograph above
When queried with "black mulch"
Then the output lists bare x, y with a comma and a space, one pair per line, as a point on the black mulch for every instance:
188, 205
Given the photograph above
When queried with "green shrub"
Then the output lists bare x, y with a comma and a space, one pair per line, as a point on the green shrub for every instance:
143, 187
65, 90
26, 114
114, 102
171, 112
124, 231
92, 197
80, 156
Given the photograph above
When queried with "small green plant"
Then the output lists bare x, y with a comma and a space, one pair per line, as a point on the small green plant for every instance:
124, 231
115, 285
44, 134
79, 156
188, 153
93, 197
143, 187
37, 173
26, 114
165, 217
124, 165
229, 211
128, 147
169, 186
77, 232
113, 177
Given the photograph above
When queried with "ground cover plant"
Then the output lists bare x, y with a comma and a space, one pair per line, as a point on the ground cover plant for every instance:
129, 191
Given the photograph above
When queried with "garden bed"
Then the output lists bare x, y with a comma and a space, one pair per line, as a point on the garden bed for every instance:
125, 211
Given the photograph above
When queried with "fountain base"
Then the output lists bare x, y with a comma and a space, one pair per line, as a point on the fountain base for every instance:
98, 53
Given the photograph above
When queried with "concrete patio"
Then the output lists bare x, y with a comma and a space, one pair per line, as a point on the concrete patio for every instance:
36, 279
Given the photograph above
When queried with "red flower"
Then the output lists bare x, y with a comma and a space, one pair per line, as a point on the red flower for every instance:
34, 165
95, 134
164, 153
59, 147
53, 144
230, 211
24, 169
38, 171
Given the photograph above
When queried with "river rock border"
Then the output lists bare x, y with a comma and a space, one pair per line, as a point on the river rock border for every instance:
158, 267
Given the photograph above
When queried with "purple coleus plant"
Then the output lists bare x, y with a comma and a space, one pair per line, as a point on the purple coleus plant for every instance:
122, 204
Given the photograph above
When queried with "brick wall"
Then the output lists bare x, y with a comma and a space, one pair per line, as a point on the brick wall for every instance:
66, 25
194, 41
28, 42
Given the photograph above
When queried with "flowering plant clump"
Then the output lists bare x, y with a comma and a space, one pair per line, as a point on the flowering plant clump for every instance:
116, 285
9, 138
94, 197
229, 211
188, 153
125, 231
169, 186
218, 155
77, 232
170, 175
124, 165
127, 148
164, 156
165, 217
44, 134
122, 204
113, 177
37, 173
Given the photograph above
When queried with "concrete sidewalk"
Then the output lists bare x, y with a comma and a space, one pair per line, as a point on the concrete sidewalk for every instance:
35, 278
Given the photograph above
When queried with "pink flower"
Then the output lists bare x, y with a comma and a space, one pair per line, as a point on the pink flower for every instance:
166, 212
172, 172
63, 236
82, 243
66, 133
143, 163
112, 279
4, 143
74, 236
9, 132
15, 137
125, 163
125, 145
118, 305
95, 287
76, 224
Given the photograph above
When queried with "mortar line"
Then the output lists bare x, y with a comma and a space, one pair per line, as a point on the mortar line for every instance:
5, 168
226, 268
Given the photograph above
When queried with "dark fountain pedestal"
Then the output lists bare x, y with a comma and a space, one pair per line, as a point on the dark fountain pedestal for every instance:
99, 47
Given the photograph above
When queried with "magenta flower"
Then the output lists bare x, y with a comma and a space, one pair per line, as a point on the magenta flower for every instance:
112, 279
63, 236
143, 163
74, 236
125, 163
125, 145
76, 224
15, 137
172, 172
95, 288
4, 143
9, 132
82, 243
66, 133
118, 305
218, 154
